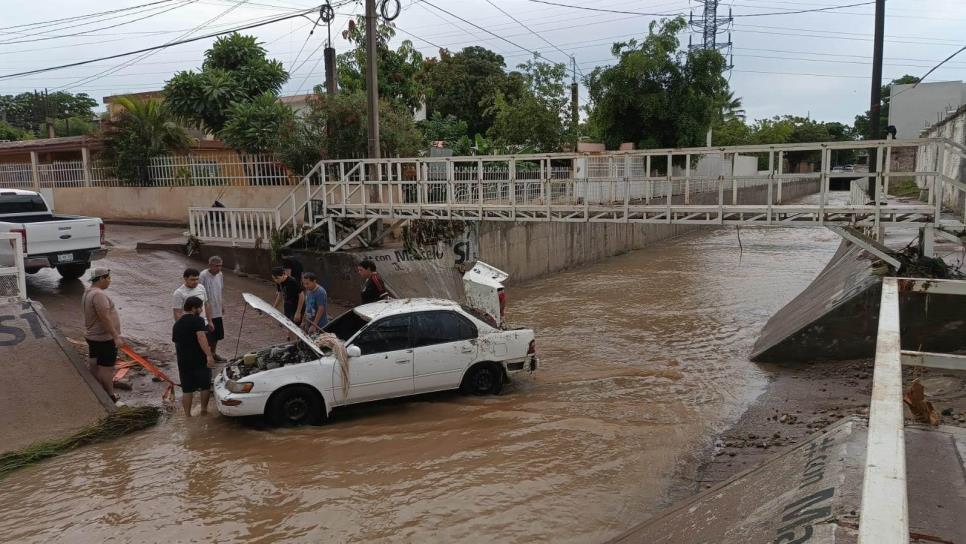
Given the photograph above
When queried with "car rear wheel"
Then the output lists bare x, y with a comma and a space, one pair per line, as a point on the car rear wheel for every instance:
483, 379
295, 405
72, 271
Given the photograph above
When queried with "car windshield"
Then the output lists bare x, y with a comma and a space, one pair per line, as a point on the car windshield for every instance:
346, 325
13, 203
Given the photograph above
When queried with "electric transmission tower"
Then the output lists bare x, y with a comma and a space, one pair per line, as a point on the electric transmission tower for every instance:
712, 29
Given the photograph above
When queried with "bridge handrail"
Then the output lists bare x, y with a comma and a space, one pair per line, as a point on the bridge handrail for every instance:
13, 283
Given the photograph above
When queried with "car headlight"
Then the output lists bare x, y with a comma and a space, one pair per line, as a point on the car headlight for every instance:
239, 387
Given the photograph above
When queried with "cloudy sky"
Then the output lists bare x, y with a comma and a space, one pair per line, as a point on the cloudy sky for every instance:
816, 64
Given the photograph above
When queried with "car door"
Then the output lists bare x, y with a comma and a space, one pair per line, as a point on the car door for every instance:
444, 345
385, 368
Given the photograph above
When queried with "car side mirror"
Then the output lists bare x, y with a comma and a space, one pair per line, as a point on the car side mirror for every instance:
353, 351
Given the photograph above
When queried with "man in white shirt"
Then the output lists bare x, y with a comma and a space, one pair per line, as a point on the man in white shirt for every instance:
213, 281
190, 288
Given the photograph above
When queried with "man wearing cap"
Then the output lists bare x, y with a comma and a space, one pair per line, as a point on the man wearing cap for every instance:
102, 330
213, 281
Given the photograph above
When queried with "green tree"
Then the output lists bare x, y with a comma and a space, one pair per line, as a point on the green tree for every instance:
657, 95
447, 129
144, 129
12, 133
465, 84
527, 123
31, 111
335, 128
399, 69
235, 71
254, 126
862, 125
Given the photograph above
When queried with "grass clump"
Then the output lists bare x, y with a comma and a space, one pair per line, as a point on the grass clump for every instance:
124, 420
904, 188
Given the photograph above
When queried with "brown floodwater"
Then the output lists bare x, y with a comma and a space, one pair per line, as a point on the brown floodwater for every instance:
644, 359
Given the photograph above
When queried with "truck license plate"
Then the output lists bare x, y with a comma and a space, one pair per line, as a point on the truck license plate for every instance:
65, 258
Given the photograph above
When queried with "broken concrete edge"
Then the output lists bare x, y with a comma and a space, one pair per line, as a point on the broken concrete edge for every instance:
72, 355
630, 535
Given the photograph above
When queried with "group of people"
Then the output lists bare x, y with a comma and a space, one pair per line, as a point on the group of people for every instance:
198, 315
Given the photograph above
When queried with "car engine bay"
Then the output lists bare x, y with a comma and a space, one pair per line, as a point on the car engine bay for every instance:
269, 358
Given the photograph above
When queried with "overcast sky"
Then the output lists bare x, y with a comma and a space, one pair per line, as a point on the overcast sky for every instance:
816, 64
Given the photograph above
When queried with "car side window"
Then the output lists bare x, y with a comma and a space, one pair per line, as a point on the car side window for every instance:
441, 327
390, 334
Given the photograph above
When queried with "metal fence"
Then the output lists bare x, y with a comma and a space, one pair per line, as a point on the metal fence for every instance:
13, 286
224, 169
244, 225
16, 176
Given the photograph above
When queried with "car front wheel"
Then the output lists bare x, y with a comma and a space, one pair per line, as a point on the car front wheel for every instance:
295, 405
483, 379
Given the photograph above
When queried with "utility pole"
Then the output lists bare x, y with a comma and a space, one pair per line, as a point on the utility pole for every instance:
50, 125
875, 106
372, 78
327, 14
710, 26
574, 104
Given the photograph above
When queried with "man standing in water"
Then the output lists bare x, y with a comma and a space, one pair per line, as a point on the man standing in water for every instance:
315, 301
102, 330
195, 359
213, 281
373, 289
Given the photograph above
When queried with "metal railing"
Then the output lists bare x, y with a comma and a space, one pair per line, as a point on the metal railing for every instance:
241, 225
13, 285
16, 176
885, 511
61, 174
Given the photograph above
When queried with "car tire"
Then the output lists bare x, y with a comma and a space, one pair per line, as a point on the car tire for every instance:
483, 379
72, 271
295, 405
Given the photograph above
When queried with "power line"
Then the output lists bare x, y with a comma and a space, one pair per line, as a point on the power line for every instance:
638, 13
115, 25
427, 2
936, 67
534, 32
162, 46
53, 22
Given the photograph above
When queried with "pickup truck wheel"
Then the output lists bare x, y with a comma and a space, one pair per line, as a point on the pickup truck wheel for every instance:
483, 379
72, 271
295, 405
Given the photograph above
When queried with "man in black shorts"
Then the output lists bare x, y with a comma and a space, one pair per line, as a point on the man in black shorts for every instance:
195, 359
102, 330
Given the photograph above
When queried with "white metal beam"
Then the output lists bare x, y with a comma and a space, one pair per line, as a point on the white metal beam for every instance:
354, 234
933, 286
885, 513
867, 244
934, 360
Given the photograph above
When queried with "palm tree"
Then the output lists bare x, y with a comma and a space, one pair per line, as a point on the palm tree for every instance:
730, 107
142, 130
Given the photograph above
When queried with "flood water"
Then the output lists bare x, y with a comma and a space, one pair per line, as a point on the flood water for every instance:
644, 359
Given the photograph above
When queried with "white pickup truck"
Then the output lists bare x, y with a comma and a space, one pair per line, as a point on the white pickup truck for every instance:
66, 242
396, 348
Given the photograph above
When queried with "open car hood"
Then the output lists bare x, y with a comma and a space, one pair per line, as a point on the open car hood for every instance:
268, 309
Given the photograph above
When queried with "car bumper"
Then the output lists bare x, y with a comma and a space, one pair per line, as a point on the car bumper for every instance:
238, 404
51, 260
530, 364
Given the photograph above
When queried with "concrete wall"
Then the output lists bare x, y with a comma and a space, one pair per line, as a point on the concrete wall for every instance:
160, 203
953, 128
911, 110
531, 250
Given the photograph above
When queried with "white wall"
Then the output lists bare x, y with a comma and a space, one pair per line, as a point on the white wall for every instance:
912, 110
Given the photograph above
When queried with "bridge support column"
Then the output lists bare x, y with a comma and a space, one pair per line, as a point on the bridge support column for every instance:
927, 241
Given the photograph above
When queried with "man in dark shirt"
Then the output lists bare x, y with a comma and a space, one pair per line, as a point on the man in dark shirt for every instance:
288, 291
195, 359
373, 289
293, 265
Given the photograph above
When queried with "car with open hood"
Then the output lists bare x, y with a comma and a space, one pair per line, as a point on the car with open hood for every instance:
387, 349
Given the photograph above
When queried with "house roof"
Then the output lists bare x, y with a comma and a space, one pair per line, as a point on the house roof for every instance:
65, 143
142, 95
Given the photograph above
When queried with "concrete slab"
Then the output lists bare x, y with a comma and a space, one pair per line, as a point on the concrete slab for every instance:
47, 392
812, 493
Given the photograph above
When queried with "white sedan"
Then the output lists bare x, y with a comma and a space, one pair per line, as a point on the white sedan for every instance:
396, 348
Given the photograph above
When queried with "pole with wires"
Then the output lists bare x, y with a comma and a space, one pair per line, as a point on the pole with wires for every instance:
574, 104
875, 105
372, 78
327, 14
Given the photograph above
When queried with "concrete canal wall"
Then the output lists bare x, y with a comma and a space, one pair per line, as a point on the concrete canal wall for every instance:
531, 250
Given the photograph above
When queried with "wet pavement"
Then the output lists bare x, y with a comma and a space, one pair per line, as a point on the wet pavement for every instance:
644, 362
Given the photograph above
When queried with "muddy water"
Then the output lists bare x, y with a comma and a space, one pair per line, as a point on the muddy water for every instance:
644, 358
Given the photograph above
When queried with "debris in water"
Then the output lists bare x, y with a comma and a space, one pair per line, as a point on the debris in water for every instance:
915, 399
